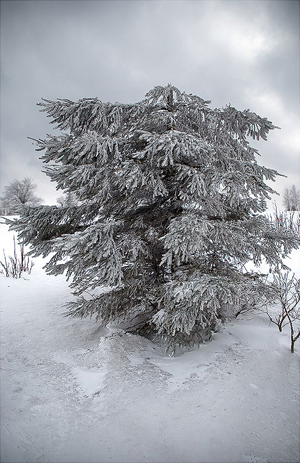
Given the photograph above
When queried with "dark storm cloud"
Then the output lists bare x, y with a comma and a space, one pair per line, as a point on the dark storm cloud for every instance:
241, 52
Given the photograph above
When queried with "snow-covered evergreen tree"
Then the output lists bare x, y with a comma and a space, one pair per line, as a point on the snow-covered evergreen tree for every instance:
170, 209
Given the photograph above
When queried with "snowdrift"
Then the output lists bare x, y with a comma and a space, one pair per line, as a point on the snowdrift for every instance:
73, 391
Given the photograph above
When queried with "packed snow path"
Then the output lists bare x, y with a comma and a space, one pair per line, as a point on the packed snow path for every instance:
72, 391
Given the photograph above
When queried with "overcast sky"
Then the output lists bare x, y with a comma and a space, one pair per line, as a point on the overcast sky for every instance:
241, 52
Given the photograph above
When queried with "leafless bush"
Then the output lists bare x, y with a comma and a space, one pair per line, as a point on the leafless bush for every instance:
15, 265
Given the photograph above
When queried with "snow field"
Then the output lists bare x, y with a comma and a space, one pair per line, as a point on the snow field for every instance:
73, 391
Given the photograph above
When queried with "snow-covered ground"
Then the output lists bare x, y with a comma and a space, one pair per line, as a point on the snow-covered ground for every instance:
72, 391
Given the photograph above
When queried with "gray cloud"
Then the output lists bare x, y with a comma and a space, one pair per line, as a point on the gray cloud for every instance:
243, 53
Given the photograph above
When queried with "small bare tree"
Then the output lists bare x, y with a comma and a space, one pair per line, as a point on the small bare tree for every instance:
291, 199
287, 291
67, 200
19, 194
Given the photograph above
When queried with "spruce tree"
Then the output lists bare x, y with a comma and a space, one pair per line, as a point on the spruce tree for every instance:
171, 204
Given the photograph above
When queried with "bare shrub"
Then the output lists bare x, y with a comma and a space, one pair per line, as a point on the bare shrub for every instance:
289, 220
15, 265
